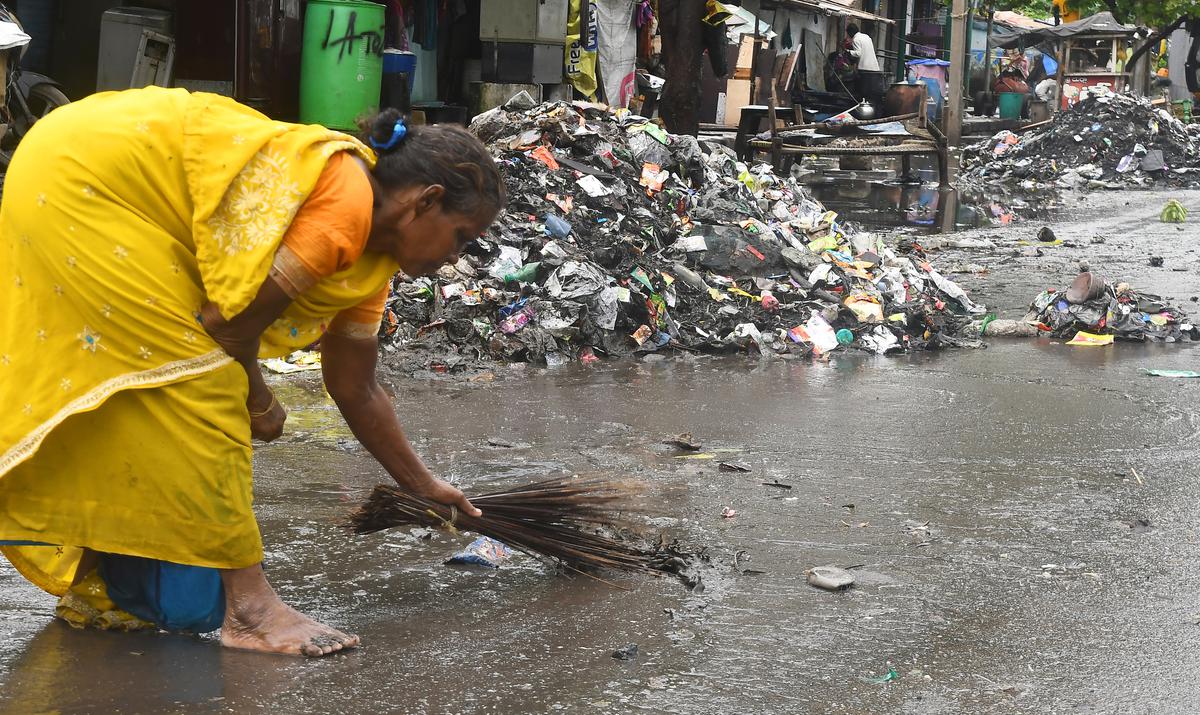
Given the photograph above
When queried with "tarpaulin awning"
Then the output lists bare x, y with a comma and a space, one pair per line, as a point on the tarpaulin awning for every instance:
1102, 23
1019, 21
826, 7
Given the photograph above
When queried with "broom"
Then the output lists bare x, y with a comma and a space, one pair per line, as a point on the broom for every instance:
554, 519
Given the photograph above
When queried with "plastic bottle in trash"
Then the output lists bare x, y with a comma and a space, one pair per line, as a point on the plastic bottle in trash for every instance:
524, 274
556, 227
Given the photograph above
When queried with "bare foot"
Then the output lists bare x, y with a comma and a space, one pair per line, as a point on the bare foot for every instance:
255, 619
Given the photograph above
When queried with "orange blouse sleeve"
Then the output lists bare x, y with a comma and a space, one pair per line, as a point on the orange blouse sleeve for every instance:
363, 320
328, 234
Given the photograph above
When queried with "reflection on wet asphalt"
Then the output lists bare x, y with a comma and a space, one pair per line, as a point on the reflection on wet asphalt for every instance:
889, 204
1007, 558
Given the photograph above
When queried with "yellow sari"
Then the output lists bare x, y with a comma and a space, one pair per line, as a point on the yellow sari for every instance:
127, 430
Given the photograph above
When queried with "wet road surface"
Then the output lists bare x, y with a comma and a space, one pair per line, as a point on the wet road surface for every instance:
1007, 557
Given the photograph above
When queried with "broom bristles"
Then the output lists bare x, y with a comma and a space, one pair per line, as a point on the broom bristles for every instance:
554, 519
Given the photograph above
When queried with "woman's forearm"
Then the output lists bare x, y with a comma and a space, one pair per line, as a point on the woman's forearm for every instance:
260, 396
239, 336
348, 366
245, 352
374, 423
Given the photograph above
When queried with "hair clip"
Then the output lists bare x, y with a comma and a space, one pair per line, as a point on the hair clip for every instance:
398, 132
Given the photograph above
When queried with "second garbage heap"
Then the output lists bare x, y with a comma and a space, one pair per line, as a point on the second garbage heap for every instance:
620, 238
1106, 140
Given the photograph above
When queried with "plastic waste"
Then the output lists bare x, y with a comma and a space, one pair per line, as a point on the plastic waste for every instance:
865, 306
556, 227
509, 261
516, 321
653, 178
524, 274
1085, 287
887, 677
952, 289
1171, 373
520, 102
575, 279
1091, 339
830, 578
483, 551
298, 361
880, 340
543, 154
1173, 212
564, 203
593, 186
1153, 161
820, 334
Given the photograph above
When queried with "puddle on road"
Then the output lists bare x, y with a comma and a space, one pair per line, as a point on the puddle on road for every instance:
919, 208
879, 199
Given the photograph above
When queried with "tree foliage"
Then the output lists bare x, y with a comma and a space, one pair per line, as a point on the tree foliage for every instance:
1037, 9
1150, 13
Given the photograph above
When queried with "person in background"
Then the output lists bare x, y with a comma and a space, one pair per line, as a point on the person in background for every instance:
1047, 90
870, 78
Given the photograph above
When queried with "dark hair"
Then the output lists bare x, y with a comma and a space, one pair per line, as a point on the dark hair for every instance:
443, 154
851, 30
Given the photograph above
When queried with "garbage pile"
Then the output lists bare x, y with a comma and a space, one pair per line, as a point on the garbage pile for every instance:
1092, 311
1106, 140
620, 238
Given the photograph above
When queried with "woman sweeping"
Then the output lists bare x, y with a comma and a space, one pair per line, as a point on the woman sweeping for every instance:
153, 245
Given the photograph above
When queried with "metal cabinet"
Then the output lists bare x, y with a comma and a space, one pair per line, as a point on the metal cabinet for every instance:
536, 21
123, 47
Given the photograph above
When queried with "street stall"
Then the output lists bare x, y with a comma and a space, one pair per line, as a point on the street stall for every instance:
1092, 52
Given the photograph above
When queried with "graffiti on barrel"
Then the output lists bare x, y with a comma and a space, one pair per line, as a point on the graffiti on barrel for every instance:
372, 39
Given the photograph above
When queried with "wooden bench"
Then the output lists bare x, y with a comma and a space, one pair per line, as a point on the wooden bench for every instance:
926, 139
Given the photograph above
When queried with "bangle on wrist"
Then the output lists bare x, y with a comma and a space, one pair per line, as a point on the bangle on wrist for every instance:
270, 407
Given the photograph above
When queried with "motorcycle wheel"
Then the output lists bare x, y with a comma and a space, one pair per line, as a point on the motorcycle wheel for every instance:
43, 98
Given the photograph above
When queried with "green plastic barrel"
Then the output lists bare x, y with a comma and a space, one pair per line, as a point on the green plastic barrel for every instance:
341, 63
1010, 105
